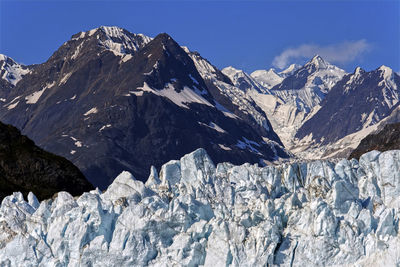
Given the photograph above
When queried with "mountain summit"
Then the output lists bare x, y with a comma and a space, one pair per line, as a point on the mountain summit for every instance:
308, 85
110, 100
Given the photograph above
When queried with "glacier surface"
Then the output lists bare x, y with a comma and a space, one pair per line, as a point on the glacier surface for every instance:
194, 213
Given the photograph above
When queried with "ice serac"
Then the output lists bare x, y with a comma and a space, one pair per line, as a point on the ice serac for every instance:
194, 213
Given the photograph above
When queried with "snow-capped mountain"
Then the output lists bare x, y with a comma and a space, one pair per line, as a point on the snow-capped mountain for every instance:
10, 74
242, 80
228, 94
295, 106
270, 78
308, 85
117, 40
351, 110
267, 78
295, 96
356, 102
289, 70
109, 100
10, 71
194, 213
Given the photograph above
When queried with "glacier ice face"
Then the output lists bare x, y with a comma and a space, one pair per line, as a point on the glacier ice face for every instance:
195, 213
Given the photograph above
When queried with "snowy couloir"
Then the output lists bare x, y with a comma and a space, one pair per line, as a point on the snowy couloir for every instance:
195, 213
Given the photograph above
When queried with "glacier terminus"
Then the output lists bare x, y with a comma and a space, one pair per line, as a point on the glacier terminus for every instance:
191, 213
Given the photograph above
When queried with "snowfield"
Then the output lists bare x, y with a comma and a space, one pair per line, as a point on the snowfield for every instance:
194, 213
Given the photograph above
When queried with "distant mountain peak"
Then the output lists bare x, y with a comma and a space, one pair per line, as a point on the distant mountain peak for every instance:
163, 36
242, 80
289, 70
318, 62
267, 78
385, 68
11, 71
3, 57
358, 71
231, 71
317, 57
386, 72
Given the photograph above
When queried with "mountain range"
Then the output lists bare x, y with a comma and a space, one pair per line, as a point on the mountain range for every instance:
320, 111
192, 164
110, 100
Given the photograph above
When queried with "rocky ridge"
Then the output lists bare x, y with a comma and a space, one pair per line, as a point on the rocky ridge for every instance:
386, 139
25, 167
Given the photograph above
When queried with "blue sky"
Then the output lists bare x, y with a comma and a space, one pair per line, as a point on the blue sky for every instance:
248, 35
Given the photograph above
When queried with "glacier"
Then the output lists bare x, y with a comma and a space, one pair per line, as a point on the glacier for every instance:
191, 213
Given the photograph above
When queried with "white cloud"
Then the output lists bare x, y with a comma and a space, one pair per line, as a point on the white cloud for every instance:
335, 53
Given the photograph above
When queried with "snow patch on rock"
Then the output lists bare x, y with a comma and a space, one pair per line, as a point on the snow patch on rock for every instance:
34, 97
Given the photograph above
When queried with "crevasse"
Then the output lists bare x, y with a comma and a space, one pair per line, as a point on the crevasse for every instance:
195, 213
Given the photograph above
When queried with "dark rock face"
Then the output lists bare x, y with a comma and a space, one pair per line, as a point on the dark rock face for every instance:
386, 139
109, 111
25, 167
358, 100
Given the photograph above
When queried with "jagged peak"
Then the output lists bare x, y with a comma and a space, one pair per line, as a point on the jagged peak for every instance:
112, 31
186, 49
358, 71
11, 71
163, 36
268, 73
292, 68
318, 62
8, 60
231, 71
115, 39
3, 57
289, 70
386, 73
385, 69
165, 40
317, 57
